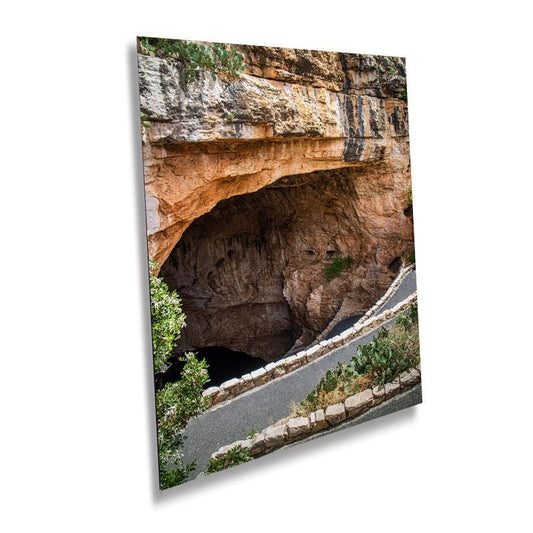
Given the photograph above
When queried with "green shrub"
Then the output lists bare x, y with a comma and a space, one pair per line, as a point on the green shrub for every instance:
391, 351
174, 476
236, 456
378, 362
252, 434
195, 56
339, 264
176, 403
167, 319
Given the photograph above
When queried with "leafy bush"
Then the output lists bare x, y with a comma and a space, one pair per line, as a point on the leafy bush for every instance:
176, 403
167, 319
339, 264
194, 56
378, 362
236, 456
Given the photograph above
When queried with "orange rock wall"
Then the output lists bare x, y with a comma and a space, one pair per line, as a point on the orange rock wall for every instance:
212, 139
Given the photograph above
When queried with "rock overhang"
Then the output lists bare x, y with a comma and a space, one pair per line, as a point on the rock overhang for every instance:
291, 114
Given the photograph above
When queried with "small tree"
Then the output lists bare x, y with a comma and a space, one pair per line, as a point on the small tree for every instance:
168, 319
177, 402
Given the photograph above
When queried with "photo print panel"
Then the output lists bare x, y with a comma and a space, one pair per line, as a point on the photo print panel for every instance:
281, 251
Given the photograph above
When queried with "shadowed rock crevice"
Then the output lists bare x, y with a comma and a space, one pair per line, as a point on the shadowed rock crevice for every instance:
251, 271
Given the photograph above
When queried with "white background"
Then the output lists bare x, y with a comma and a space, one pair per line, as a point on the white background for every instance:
77, 451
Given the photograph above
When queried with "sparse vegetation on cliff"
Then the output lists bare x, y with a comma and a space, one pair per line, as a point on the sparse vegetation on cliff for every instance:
196, 56
339, 264
144, 120
380, 361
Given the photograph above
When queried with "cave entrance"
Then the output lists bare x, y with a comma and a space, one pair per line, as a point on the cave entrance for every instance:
250, 272
223, 364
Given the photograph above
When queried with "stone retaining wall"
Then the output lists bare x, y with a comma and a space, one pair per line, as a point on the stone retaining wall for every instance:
298, 428
235, 386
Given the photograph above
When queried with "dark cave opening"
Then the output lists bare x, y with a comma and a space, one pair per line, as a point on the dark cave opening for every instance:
223, 364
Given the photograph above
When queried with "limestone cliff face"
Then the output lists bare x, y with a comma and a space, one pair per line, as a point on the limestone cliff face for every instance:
254, 185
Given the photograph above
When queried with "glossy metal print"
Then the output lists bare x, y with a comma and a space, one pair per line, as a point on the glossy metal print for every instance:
280, 235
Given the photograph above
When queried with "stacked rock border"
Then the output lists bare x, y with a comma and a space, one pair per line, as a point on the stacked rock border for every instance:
236, 386
301, 427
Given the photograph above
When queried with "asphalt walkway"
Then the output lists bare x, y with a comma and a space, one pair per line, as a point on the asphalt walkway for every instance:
260, 407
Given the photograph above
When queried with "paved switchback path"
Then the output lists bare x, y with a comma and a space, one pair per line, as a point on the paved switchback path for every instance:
403, 291
258, 408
